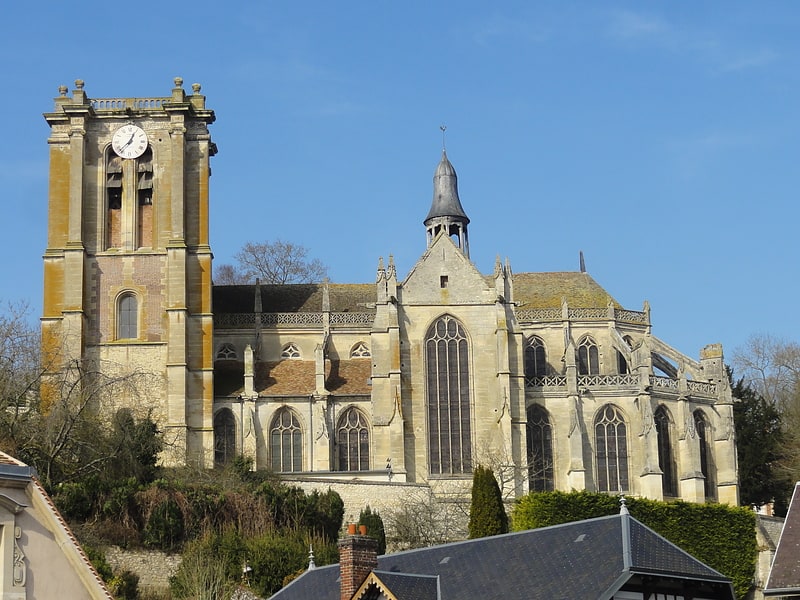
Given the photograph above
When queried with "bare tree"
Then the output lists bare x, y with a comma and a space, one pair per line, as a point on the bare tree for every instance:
56, 417
272, 262
423, 519
771, 367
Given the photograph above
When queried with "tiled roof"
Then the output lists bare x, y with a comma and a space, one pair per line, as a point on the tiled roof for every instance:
545, 290
410, 587
784, 576
584, 559
294, 377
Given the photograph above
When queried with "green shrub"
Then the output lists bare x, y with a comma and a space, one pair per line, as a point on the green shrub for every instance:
165, 527
99, 562
375, 528
124, 585
721, 536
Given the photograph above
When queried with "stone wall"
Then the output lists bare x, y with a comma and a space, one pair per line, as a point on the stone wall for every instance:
153, 568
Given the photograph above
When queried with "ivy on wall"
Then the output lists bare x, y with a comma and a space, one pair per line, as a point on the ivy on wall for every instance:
721, 536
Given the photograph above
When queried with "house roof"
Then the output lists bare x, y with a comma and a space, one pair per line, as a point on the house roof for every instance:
784, 575
585, 559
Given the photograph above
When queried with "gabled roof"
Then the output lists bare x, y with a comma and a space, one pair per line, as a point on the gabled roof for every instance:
784, 575
402, 586
586, 559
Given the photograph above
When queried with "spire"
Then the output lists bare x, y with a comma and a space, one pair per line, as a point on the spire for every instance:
446, 213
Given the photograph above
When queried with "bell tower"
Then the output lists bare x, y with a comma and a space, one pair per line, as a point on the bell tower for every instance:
127, 269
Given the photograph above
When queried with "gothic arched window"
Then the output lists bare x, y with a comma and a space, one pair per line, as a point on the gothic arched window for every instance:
703, 430
588, 357
535, 358
666, 459
611, 442
352, 438
540, 450
286, 442
448, 396
127, 317
224, 437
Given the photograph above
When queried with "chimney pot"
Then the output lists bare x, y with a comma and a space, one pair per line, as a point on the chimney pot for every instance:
362, 529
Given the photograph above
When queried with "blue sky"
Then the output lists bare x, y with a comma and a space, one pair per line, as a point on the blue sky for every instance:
661, 138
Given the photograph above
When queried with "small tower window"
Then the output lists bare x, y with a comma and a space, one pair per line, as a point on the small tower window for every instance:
290, 351
127, 317
443, 281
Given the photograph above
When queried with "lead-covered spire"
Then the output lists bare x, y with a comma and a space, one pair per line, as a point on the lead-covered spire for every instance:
446, 213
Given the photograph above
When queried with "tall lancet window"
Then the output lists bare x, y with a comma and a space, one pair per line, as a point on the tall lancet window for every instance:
540, 450
611, 439
448, 396
144, 199
666, 459
707, 467
113, 191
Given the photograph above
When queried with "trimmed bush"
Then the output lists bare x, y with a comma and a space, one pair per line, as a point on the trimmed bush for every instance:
487, 515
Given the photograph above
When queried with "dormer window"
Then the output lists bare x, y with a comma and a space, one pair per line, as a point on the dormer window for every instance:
360, 350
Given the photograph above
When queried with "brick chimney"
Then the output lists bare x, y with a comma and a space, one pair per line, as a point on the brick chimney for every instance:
358, 556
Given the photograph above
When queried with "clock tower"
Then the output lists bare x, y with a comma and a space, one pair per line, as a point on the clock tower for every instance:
127, 269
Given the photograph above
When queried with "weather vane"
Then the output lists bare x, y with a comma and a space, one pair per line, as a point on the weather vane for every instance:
443, 128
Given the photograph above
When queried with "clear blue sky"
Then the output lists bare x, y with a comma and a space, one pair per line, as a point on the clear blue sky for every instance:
661, 138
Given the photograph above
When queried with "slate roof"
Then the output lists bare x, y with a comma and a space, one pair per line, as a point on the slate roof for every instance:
784, 575
409, 587
584, 559
531, 290
306, 297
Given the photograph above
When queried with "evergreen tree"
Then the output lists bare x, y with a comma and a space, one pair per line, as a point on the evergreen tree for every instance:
760, 442
487, 515
375, 527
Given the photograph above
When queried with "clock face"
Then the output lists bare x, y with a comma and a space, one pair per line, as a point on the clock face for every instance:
129, 141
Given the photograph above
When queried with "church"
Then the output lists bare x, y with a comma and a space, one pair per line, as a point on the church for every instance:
410, 379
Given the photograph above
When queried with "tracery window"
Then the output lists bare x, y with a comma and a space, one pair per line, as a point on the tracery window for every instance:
127, 317
286, 442
448, 398
588, 357
666, 459
224, 437
290, 351
352, 438
707, 467
611, 445
535, 357
360, 350
540, 450
227, 351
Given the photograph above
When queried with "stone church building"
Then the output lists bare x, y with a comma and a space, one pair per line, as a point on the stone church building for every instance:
409, 379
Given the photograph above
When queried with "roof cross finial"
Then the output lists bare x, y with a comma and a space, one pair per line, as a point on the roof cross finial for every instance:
443, 128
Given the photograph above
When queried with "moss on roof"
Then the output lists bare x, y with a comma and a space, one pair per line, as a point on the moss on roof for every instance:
307, 297
545, 290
